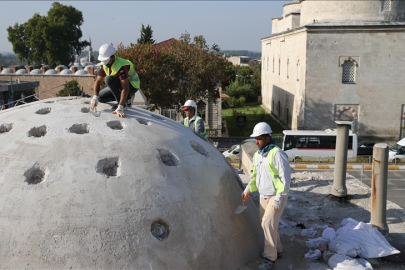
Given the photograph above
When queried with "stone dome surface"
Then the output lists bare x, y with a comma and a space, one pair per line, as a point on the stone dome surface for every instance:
141, 192
7, 71
65, 72
61, 66
81, 72
36, 71
51, 72
21, 71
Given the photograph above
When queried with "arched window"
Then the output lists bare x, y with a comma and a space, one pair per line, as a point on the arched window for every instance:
385, 5
348, 71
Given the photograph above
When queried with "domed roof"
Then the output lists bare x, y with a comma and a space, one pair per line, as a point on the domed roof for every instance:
35, 71
65, 72
81, 72
61, 66
21, 71
114, 193
7, 71
51, 72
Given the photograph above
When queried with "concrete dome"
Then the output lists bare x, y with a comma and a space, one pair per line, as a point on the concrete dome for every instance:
81, 72
7, 71
65, 72
141, 192
36, 71
51, 72
21, 71
61, 66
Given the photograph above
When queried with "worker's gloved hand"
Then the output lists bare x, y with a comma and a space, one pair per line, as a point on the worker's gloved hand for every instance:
246, 193
277, 201
94, 101
119, 111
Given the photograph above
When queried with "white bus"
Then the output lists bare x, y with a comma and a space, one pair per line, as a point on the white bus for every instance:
315, 143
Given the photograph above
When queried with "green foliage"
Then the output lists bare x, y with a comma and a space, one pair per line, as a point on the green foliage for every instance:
184, 70
146, 35
235, 90
252, 119
51, 39
71, 88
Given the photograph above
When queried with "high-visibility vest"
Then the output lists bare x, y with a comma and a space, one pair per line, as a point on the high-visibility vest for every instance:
278, 185
118, 63
197, 118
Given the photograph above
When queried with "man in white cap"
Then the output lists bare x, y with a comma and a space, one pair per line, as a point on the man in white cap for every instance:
271, 177
192, 120
121, 79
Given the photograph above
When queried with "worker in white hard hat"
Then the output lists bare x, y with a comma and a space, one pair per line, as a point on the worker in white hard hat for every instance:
192, 120
271, 177
120, 77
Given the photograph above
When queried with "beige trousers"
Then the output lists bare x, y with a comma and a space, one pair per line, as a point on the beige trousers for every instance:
270, 219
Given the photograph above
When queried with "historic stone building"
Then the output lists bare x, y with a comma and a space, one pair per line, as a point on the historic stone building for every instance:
337, 60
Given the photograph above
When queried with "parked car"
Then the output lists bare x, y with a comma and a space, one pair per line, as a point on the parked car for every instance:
233, 152
365, 148
397, 152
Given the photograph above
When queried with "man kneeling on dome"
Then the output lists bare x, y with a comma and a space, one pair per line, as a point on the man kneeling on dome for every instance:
121, 79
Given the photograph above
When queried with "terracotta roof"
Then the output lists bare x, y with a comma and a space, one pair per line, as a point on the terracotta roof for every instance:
165, 44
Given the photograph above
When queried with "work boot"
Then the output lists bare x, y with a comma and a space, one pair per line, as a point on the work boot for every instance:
267, 265
129, 102
279, 255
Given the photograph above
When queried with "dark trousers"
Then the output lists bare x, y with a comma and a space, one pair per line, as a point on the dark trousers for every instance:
113, 90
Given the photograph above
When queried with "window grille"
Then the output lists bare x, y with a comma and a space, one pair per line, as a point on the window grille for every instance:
348, 72
386, 5
170, 113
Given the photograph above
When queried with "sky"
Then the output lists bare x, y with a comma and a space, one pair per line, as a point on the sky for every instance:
233, 25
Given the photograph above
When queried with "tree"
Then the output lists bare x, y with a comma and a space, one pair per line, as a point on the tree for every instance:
71, 88
146, 35
51, 39
178, 72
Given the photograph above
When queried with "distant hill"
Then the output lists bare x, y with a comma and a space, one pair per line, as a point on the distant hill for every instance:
251, 54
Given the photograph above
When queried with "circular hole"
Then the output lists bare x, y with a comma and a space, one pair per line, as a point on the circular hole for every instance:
199, 148
168, 158
115, 125
108, 166
35, 175
43, 111
160, 229
5, 128
85, 110
86, 102
80, 128
49, 101
143, 121
37, 131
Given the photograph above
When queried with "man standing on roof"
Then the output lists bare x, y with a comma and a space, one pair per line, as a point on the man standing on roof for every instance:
193, 121
271, 177
121, 79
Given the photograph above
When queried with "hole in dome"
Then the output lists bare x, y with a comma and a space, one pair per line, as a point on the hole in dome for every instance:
199, 148
160, 229
86, 102
108, 166
35, 175
85, 110
49, 101
43, 111
80, 128
158, 117
115, 125
37, 131
5, 128
143, 121
168, 158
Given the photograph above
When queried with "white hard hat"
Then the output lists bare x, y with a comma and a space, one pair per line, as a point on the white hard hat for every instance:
105, 52
189, 103
261, 129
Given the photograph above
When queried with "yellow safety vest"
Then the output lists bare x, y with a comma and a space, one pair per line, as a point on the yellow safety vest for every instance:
118, 63
278, 185
202, 133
